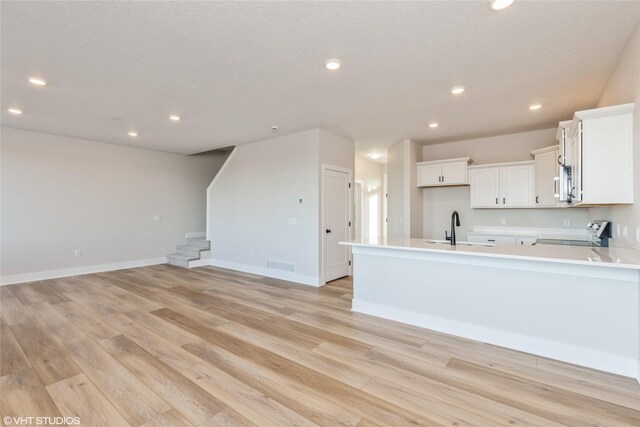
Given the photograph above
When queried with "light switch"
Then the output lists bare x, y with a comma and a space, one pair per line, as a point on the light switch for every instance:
156, 218
77, 252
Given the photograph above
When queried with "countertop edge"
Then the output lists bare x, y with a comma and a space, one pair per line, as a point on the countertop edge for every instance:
497, 255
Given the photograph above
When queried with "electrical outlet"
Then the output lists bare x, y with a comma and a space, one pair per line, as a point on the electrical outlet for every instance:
503, 221
292, 221
566, 222
156, 218
77, 252
625, 231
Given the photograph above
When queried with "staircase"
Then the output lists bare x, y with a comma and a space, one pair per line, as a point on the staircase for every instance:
189, 253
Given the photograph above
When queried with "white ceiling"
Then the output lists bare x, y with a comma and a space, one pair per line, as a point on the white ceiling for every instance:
234, 69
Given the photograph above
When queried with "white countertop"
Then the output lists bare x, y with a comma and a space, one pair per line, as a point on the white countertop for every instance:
577, 255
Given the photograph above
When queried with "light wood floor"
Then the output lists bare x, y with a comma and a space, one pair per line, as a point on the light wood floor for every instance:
162, 346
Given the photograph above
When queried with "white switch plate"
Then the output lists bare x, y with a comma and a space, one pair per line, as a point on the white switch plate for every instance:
566, 222
77, 252
156, 218
250, 251
503, 221
618, 230
625, 231
292, 220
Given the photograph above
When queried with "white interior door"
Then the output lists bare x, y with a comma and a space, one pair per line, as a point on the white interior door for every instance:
336, 218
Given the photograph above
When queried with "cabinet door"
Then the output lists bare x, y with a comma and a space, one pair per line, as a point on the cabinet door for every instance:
454, 173
485, 187
526, 240
429, 175
517, 186
546, 172
491, 239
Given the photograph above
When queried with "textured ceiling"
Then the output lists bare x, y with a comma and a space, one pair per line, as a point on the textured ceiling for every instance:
232, 70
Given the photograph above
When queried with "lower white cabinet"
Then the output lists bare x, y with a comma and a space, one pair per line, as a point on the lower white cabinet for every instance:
498, 239
506, 185
494, 239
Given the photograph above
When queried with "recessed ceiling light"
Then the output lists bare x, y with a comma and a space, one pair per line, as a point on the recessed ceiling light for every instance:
174, 118
535, 106
457, 90
433, 125
37, 81
500, 4
333, 64
133, 134
15, 111
374, 156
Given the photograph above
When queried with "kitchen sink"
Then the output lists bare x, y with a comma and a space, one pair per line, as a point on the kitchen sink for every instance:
446, 242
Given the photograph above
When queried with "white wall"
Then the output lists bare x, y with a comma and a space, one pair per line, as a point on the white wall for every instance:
395, 190
370, 173
413, 155
60, 194
438, 203
259, 190
624, 87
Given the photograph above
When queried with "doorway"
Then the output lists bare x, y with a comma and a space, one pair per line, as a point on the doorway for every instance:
336, 221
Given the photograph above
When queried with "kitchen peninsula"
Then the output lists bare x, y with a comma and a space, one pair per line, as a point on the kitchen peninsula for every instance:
576, 304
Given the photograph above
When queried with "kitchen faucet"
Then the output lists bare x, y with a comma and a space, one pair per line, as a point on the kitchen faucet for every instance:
452, 238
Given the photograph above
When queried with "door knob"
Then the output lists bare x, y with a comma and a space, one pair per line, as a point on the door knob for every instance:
327, 231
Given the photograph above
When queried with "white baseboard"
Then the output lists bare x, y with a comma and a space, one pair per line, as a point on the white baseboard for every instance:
582, 356
268, 272
195, 235
76, 271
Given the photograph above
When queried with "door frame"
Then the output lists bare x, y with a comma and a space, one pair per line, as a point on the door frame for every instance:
350, 208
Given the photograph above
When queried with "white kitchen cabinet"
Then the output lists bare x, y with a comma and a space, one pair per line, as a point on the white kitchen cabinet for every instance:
506, 185
485, 187
500, 239
601, 141
492, 239
442, 172
526, 240
546, 169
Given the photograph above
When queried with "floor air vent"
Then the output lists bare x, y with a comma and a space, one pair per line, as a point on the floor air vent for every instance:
281, 265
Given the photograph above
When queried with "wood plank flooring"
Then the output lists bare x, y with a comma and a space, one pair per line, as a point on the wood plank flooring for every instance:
164, 346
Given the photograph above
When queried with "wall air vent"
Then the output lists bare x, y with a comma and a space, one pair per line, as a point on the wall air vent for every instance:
281, 265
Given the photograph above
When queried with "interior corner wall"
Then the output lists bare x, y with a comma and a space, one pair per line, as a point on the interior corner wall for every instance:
255, 199
440, 202
60, 194
624, 87
413, 155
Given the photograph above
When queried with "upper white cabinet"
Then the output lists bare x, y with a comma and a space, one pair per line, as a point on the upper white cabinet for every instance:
546, 166
443, 172
600, 156
506, 185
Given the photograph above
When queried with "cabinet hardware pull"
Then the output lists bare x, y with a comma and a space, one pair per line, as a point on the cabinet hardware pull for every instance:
496, 200
504, 200
443, 178
491, 240
537, 199
559, 157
